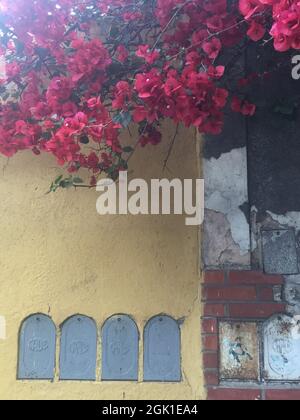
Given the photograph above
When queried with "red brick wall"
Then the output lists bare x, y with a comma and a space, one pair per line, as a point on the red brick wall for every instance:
241, 296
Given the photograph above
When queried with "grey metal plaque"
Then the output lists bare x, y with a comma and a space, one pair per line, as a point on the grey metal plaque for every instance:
78, 351
279, 252
37, 348
282, 348
120, 349
162, 350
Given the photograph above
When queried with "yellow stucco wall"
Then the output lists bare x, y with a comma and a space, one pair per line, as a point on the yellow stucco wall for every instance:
59, 257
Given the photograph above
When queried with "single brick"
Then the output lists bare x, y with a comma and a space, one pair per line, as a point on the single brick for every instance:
253, 277
283, 394
266, 294
211, 377
253, 310
216, 310
220, 394
245, 293
210, 342
210, 360
210, 326
214, 277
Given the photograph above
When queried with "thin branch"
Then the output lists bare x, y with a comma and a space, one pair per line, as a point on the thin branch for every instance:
197, 44
84, 186
137, 143
171, 147
169, 24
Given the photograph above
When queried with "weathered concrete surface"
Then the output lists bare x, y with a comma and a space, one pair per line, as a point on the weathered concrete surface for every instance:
226, 242
239, 351
279, 251
273, 151
219, 249
269, 149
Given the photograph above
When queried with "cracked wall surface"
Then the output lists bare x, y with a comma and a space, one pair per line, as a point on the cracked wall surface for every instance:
226, 241
252, 169
252, 178
273, 166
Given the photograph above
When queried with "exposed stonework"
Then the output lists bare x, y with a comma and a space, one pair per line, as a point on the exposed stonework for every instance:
279, 251
242, 314
253, 165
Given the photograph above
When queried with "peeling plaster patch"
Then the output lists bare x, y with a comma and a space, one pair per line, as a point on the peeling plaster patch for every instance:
219, 248
291, 219
217, 202
295, 278
239, 230
226, 193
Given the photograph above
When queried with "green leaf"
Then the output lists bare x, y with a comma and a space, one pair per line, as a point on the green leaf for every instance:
114, 31
51, 189
127, 118
58, 179
128, 149
66, 183
123, 118
77, 180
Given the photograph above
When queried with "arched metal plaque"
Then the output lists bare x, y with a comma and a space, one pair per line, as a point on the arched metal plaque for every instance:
282, 348
37, 348
120, 349
162, 350
78, 351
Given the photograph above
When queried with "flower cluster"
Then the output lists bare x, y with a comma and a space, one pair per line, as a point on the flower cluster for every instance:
77, 72
286, 21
